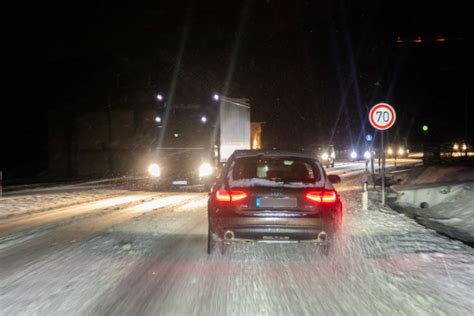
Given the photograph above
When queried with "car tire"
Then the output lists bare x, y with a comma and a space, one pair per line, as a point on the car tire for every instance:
211, 241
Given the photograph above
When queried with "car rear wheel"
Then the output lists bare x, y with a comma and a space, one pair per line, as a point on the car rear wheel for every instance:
211, 241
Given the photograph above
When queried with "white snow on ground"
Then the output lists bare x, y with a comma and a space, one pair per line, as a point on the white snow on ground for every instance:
20, 204
383, 264
448, 198
433, 174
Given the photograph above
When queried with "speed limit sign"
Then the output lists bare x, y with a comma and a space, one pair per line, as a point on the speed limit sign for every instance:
382, 116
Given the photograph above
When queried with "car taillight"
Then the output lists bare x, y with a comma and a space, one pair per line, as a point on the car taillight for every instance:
230, 195
322, 196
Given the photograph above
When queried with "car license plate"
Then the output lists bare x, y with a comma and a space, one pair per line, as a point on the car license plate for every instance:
275, 202
179, 182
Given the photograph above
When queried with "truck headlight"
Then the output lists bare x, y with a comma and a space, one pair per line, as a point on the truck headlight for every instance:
154, 170
205, 169
325, 156
353, 154
367, 155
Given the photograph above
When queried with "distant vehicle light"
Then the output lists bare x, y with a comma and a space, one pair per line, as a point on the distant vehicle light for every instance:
367, 155
401, 152
325, 156
205, 170
216, 97
158, 119
154, 170
353, 154
455, 147
464, 147
159, 97
176, 134
203, 119
389, 151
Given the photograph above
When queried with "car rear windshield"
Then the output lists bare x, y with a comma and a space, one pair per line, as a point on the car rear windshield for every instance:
276, 169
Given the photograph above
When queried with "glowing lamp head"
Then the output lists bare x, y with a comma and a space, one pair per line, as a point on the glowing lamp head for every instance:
205, 169
367, 155
154, 170
353, 154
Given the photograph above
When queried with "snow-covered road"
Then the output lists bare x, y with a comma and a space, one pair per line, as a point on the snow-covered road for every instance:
143, 253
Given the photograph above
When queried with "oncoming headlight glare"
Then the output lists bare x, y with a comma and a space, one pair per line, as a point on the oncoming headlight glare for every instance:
205, 169
367, 155
154, 170
325, 156
353, 154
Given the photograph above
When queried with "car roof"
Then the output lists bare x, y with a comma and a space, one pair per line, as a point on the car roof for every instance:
275, 153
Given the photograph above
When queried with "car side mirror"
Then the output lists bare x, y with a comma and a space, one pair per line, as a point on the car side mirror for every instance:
334, 178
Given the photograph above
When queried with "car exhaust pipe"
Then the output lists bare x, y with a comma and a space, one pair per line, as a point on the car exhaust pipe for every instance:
229, 235
322, 236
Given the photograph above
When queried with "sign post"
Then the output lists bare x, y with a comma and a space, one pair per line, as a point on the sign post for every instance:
382, 116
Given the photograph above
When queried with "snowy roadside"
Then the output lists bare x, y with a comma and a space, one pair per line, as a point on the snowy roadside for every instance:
22, 204
439, 198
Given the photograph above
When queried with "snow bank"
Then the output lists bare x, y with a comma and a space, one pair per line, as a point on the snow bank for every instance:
445, 207
16, 205
436, 174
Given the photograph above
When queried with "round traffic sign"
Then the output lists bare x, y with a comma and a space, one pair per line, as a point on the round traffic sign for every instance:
382, 116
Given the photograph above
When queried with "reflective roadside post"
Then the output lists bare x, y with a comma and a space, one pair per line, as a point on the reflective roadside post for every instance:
382, 116
365, 193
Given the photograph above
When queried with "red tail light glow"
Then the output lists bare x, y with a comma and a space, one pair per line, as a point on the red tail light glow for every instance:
230, 196
223, 196
322, 196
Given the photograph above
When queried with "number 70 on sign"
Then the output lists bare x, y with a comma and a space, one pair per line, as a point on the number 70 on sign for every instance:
382, 116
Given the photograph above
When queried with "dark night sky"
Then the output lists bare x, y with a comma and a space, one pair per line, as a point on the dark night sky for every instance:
310, 68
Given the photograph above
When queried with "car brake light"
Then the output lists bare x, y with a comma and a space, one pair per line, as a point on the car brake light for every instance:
223, 196
322, 196
230, 196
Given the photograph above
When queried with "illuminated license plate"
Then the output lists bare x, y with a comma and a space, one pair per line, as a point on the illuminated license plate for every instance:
179, 182
275, 202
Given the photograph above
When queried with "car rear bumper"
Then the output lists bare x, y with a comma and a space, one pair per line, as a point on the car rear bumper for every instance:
278, 228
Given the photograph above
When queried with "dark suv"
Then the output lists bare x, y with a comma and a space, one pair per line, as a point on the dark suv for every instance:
273, 196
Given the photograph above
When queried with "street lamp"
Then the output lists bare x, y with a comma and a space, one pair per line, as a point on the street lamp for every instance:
159, 97
216, 97
203, 119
